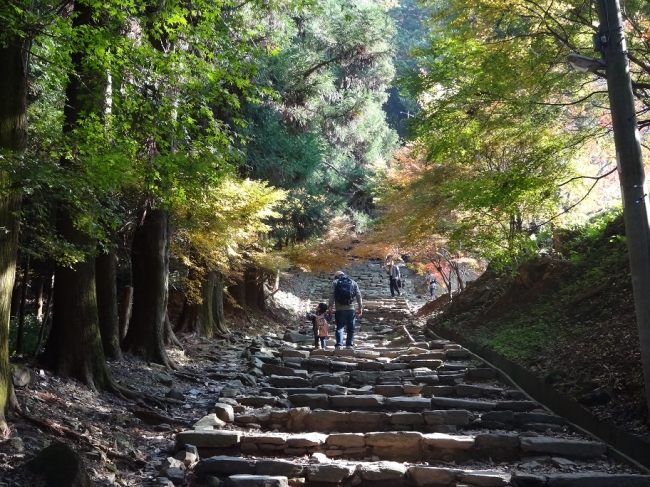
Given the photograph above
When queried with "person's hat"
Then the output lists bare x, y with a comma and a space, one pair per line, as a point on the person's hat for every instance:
339, 273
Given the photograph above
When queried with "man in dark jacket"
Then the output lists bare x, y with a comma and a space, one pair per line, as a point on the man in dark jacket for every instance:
343, 298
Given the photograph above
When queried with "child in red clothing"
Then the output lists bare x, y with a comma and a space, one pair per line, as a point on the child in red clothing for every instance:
318, 315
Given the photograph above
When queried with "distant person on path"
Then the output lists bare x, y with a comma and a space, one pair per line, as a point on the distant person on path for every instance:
343, 293
395, 279
433, 284
320, 320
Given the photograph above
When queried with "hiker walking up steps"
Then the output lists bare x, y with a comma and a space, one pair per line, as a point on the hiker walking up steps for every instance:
343, 293
433, 284
395, 279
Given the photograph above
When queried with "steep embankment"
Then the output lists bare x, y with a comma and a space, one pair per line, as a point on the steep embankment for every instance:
570, 321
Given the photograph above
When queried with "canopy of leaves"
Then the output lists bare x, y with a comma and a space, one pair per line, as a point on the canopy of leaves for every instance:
323, 132
217, 226
501, 125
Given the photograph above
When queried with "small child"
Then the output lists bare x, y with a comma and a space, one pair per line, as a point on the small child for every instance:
321, 313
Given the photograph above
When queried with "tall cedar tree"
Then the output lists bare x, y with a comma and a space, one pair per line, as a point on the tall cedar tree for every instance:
74, 347
150, 261
13, 141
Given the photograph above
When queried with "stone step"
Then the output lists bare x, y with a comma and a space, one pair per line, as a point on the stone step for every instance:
402, 446
400, 383
313, 411
366, 473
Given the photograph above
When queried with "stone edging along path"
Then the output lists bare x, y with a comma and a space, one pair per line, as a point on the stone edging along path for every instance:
631, 445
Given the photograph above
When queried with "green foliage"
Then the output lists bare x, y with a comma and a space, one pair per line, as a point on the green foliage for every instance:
324, 131
178, 101
525, 341
569, 299
598, 238
498, 132
31, 330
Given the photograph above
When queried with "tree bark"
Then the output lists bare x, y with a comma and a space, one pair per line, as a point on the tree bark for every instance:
74, 348
199, 317
15, 295
46, 316
20, 332
187, 317
40, 298
254, 288
105, 281
237, 291
13, 140
220, 326
170, 336
125, 310
150, 261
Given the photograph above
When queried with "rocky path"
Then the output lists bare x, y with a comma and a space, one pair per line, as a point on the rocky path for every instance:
401, 409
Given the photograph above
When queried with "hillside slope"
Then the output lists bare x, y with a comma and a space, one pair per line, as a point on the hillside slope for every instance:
569, 320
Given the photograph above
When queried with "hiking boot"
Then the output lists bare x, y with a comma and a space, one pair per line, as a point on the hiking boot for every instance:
350, 347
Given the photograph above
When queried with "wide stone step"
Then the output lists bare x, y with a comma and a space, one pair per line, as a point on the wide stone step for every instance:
380, 473
276, 472
392, 445
407, 413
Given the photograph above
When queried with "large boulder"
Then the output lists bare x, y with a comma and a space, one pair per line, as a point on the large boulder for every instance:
61, 466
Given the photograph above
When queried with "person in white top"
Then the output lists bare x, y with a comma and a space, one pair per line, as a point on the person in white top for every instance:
395, 279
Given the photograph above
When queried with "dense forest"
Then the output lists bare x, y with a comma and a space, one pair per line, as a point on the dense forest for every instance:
201, 147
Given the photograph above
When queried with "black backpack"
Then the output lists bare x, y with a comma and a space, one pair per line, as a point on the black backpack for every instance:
344, 291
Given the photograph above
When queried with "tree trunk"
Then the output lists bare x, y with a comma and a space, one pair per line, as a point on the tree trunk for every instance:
46, 316
238, 292
170, 336
125, 310
150, 261
199, 317
220, 326
13, 139
20, 332
105, 280
254, 288
15, 294
74, 347
187, 317
9, 208
40, 298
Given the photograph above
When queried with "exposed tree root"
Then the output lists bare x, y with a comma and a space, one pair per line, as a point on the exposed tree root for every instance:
408, 334
153, 417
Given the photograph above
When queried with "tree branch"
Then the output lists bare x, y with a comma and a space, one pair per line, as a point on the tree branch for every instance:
588, 177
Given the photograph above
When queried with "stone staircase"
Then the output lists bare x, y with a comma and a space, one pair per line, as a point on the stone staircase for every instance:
400, 410
379, 307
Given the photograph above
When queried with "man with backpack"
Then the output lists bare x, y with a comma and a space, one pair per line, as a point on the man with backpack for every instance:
344, 292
